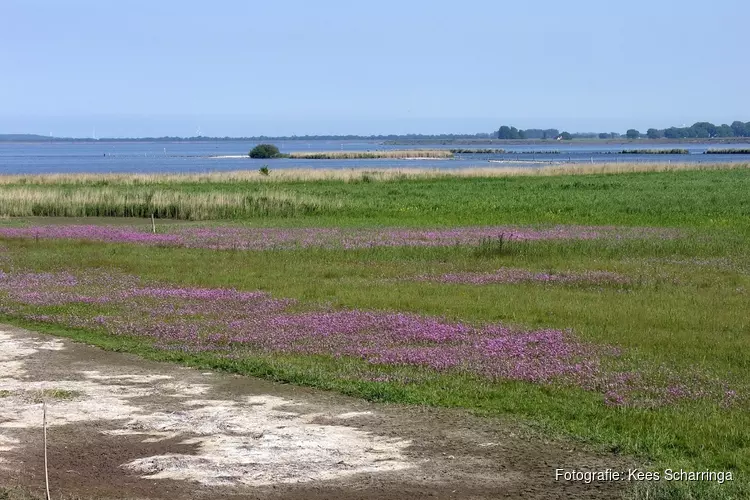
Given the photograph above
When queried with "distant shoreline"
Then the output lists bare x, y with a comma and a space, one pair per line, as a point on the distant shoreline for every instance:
389, 142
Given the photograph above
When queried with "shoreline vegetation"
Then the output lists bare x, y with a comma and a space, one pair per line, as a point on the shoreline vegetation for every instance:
728, 151
412, 154
654, 152
355, 175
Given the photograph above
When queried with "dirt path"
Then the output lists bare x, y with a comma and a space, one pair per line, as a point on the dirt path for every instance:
122, 427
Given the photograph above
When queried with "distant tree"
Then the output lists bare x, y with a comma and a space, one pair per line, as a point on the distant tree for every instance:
739, 129
704, 130
632, 134
507, 132
652, 133
504, 132
672, 133
537, 133
604, 135
566, 136
724, 130
265, 151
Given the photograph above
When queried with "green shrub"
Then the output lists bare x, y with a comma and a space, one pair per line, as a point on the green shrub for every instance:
265, 151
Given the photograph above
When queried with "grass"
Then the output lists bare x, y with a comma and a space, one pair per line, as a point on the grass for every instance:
53, 394
686, 310
359, 155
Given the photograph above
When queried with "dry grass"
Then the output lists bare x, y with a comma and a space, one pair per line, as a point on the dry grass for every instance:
359, 155
101, 181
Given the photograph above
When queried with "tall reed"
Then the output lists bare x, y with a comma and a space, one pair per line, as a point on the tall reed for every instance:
59, 201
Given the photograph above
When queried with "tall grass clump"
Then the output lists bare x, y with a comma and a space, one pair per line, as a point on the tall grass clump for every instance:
492, 247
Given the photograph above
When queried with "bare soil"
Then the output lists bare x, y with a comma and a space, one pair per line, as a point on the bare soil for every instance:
120, 427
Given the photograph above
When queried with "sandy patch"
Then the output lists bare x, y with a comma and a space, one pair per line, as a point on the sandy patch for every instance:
253, 440
13, 350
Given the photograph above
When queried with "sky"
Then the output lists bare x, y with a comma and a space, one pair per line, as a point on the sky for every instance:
76, 68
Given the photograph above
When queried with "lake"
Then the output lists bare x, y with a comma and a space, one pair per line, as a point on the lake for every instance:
206, 156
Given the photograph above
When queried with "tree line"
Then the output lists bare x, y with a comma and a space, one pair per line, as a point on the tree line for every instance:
699, 130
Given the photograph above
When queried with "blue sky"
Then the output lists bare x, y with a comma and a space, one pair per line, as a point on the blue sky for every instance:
231, 67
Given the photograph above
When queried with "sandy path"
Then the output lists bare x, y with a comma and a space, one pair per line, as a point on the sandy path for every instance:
122, 427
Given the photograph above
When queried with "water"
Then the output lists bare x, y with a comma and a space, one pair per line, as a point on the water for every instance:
165, 157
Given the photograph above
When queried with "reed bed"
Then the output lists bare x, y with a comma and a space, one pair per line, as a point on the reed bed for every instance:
361, 155
145, 202
740, 151
346, 175
675, 151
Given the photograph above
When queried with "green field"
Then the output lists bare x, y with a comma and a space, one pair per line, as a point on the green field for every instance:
681, 315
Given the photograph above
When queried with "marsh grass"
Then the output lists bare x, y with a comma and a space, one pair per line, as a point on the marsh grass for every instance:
353, 174
738, 151
144, 201
654, 152
359, 155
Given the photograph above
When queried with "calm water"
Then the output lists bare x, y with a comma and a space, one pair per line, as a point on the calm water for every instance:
28, 158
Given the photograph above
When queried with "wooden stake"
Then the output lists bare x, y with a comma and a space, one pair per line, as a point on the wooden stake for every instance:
153, 224
46, 470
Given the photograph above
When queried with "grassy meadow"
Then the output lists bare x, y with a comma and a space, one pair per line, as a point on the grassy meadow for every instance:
660, 312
